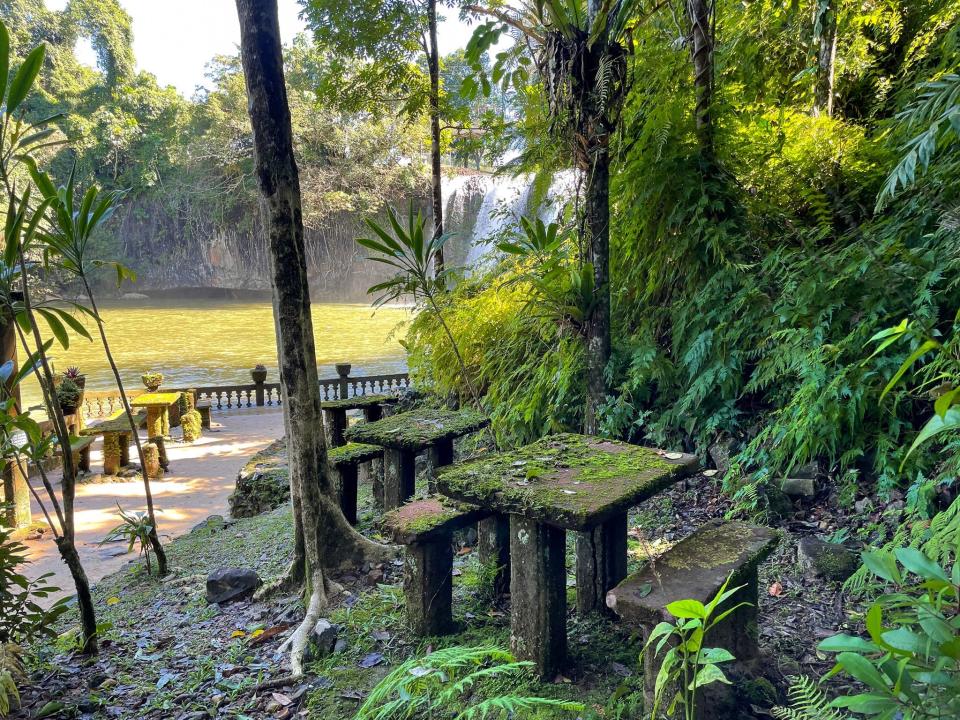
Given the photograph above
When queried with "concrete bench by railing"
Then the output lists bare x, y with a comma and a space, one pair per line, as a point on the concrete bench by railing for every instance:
98, 404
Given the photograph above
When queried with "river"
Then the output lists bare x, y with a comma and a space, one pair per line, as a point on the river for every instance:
212, 342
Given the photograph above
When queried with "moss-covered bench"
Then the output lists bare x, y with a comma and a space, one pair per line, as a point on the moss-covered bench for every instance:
80, 449
345, 461
696, 568
116, 439
405, 435
426, 527
335, 413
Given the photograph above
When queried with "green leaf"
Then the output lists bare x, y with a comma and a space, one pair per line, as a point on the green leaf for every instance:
23, 80
935, 425
863, 670
924, 348
707, 675
687, 609
882, 564
919, 564
715, 655
4, 59
847, 643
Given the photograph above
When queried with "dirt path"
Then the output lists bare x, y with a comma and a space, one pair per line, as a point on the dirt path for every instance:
201, 477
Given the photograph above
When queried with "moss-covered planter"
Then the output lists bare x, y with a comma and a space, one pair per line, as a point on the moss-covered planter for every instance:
190, 423
264, 482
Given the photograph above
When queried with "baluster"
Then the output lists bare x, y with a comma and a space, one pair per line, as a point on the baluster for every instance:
219, 400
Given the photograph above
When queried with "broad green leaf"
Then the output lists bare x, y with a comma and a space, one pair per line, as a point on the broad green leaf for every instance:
4, 59
935, 425
919, 564
863, 670
686, 609
882, 564
707, 675
847, 643
23, 80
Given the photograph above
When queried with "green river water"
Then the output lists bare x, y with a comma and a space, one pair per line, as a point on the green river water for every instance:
212, 342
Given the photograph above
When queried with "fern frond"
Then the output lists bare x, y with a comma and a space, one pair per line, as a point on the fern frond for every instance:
511, 706
807, 702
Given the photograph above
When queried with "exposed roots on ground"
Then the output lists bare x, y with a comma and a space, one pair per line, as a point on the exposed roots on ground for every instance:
289, 582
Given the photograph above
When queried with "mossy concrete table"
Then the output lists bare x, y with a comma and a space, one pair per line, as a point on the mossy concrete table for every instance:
335, 413
116, 439
406, 435
563, 482
158, 406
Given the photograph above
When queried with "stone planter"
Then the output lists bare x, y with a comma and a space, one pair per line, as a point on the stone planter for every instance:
152, 381
343, 369
259, 376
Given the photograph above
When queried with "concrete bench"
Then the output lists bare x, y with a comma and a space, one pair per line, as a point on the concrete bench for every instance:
116, 439
696, 568
204, 409
345, 461
80, 449
426, 527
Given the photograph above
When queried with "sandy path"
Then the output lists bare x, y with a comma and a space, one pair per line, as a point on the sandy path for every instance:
201, 477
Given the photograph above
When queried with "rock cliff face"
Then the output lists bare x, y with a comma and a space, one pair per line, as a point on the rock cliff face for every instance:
173, 249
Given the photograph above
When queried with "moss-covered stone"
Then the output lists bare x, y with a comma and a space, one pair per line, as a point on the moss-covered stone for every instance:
157, 399
353, 453
433, 516
418, 429
190, 423
358, 402
571, 481
264, 482
118, 423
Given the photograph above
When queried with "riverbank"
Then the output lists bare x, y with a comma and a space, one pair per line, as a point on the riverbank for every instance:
202, 476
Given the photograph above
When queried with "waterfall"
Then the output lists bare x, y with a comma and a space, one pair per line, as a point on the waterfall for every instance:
478, 209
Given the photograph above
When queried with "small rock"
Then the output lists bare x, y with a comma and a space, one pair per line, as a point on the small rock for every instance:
323, 640
97, 679
798, 487
340, 646
225, 584
720, 454
827, 560
863, 506
895, 506
808, 471
213, 523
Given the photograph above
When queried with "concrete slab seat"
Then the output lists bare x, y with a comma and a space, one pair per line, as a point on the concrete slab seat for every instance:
335, 413
204, 409
116, 439
405, 435
564, 482
426, 527
696, 568
80, 449
345, 461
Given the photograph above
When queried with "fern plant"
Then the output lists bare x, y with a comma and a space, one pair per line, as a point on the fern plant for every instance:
807, 702
440, 684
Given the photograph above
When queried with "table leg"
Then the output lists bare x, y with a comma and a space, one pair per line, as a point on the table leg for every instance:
601, 563
161, 444
428, 586
111, 453
538, 595
154, 422
348, 492
373, 413
165, 420
439, 455
494, 543
124, 450
336, 423
398, 478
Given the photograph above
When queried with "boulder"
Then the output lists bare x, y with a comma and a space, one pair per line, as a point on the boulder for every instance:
323, 640
264, 482
226, 584
830, 561
798, 487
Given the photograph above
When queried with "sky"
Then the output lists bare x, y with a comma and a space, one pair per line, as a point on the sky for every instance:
175, 39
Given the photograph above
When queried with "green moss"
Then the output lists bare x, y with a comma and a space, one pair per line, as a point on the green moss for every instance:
358, 402
417, 429
118, 423
264, 482
161, 399
352, 453
568, 480
111, 445
710, 547
190, 422
423, 517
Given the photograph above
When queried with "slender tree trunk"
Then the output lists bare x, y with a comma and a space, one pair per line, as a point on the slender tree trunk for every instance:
135, 433
597, 216
433, 62
16, 491
825, 31
329, 540
700, 15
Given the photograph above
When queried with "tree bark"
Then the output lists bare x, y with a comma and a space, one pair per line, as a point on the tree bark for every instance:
700, 16
825, 31
597, 216
433, 63
329, 542
16, 492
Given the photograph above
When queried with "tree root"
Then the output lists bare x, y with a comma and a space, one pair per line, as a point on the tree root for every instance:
291, 581
301, 636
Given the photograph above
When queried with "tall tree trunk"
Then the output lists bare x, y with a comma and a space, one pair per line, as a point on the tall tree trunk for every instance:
329, 540
700, 16
16, 492
433, 63
597, 217
825, 32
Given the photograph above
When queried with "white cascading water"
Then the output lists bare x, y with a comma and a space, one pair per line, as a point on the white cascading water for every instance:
478, 208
